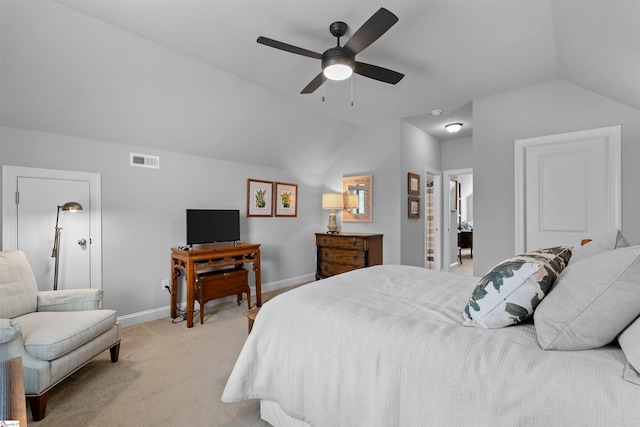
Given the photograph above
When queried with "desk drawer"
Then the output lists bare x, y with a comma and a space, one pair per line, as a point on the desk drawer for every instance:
341, 242
219, 284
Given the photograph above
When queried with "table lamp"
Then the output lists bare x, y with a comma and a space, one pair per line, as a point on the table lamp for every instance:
331, 202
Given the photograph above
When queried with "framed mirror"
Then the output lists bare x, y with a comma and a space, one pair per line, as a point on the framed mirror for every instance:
358, 194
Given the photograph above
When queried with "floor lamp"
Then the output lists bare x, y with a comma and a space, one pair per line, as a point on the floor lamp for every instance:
67, 207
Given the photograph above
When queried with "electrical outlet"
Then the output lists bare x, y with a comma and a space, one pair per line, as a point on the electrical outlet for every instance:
165, 284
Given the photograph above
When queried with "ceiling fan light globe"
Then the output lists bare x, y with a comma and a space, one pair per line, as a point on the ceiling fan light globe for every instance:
453, 127
338, 72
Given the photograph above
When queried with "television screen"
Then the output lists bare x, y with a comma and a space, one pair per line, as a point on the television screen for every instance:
212, 225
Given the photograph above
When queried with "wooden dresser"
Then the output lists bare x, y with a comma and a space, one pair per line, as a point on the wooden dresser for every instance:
341, 252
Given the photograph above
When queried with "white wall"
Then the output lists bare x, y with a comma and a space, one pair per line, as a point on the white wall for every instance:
419, 152
373, 151
543, 109
144, 211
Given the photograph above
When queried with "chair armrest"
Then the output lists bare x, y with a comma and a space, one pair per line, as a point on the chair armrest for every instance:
9, 331
70, 300
36, 372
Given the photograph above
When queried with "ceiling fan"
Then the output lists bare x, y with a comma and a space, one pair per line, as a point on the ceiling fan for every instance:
338, 63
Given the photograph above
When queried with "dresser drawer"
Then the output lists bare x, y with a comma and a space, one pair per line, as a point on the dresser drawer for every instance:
354, 259
328, 269
341, 242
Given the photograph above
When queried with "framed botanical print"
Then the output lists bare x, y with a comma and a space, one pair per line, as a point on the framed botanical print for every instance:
413, 184
259, 198
414, 207
286, 199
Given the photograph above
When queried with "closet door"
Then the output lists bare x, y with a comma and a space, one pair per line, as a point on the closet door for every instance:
567, 187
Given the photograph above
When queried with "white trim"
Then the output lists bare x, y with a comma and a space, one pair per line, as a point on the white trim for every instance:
613, 135
10, 175
163, 312
447, 265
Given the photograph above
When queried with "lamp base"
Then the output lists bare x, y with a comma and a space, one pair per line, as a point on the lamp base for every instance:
333, 224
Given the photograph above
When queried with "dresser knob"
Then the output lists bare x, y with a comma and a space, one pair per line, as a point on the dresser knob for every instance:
354, 242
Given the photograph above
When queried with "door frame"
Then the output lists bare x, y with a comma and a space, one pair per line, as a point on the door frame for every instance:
437, 223
446, 258
613, 137
10, 175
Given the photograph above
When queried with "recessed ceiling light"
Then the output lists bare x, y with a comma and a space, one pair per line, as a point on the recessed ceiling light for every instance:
453, 127
435, 113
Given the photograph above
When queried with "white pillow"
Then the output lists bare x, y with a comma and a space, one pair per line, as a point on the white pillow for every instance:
592, 301
609, 241
629, 341
511, 291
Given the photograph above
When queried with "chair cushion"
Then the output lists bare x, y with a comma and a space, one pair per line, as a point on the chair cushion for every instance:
18, 286
49, 335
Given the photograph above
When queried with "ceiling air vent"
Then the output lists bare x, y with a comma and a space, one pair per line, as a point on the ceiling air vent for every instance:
144, 160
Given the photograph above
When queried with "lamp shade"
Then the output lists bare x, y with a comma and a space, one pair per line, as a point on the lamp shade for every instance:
353, 201
332, 201
71, 207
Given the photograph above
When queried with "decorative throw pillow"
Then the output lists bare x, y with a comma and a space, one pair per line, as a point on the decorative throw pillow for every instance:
592, 302
511, 291
612, 240
629, 340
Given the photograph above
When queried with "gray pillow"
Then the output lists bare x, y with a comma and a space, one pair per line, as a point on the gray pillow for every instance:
612, 240
629, 340
592, 301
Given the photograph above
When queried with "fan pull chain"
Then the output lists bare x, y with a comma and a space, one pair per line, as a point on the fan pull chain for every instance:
323, 84
351, 90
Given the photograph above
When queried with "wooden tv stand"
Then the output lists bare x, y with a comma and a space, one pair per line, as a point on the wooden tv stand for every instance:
209, 257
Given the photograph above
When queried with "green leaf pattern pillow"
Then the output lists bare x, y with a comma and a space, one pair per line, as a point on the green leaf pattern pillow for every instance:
511, 291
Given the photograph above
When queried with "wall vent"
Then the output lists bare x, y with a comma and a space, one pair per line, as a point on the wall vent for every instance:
144, 160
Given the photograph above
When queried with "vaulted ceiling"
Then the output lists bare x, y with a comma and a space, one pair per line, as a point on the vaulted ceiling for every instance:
188, 76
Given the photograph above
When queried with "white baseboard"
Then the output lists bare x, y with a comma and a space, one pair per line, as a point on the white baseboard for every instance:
163, 312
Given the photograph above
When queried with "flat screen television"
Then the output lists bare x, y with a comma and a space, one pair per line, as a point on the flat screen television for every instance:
212, 226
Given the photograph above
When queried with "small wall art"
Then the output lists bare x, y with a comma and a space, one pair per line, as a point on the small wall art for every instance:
414, 207
259, 198
413, 184
286, 199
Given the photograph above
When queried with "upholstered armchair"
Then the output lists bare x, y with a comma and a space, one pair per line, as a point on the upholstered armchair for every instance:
55, 332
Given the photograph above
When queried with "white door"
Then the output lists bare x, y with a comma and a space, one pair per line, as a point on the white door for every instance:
38, 201
567, 188
30, 204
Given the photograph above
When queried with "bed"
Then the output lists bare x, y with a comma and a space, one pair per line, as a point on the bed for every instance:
385, 346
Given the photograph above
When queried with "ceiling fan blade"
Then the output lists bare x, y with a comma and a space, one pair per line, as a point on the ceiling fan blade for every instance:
288, 48
370, 31
314, 84
378, 73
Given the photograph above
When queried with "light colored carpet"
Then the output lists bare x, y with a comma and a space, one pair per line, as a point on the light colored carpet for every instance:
167, 375
467, 264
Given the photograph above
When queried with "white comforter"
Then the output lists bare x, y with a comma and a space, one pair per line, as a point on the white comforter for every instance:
385, 346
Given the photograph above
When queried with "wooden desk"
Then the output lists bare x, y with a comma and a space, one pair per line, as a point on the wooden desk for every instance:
199, 259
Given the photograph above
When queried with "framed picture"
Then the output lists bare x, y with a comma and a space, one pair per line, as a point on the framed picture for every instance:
259, 197
453, 195
414, 207
286, 199
414, 184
